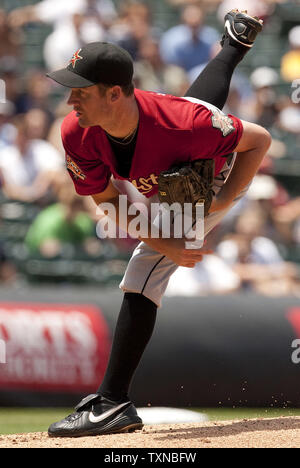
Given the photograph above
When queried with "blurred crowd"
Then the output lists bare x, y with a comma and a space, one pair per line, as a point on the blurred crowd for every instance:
257, 246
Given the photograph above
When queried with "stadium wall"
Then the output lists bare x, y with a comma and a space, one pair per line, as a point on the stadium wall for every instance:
240, 350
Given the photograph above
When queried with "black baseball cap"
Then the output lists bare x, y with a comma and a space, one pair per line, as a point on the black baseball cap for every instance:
97, 62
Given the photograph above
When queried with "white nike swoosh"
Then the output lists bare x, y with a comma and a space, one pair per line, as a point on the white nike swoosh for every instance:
95, 419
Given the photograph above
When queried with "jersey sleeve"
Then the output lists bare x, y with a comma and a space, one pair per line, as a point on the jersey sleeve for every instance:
89, 176
215, 133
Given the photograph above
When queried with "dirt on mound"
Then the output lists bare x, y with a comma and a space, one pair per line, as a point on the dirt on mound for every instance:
281, 432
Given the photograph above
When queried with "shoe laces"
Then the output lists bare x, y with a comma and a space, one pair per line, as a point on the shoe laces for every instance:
72, 417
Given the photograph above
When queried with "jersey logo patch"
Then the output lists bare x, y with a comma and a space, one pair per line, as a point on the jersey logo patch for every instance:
222, 122
76, 171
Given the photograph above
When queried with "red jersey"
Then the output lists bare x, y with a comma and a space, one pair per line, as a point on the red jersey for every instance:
171, 130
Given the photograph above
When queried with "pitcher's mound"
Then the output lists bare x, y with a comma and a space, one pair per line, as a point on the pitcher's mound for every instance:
259, 433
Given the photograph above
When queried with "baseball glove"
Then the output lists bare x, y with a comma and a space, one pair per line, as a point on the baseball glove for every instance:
189, 183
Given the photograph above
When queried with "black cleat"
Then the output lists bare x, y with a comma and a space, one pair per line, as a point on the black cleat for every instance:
96, 415
241, 27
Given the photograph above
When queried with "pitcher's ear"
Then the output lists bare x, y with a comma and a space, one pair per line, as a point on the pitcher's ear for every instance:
115, 93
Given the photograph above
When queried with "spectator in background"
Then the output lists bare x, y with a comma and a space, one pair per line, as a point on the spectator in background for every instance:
10, 40
235, 103
7, 129
191, 42
267, 194
61, 44
58, 12
287, 221
65, 222
152, 74
133, 26
103, 10
54, 134
134, 31
37, 122
8, 274
74, 22
7, 269
35, 94
256, 259
290, 63
10, 74
211, 276
265, 101
289, 122
29, 167
207, 4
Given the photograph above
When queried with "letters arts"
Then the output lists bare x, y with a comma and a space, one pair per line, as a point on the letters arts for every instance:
142, 456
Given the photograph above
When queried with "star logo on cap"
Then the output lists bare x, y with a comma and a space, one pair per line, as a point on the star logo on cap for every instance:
75, 57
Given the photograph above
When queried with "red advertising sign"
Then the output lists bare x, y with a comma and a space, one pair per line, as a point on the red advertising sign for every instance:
293, 316
53, 347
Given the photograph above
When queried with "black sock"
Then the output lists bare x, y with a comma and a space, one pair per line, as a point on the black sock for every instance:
213, 83
133, 331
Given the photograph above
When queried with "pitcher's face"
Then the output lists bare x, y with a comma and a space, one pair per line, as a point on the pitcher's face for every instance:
90, 106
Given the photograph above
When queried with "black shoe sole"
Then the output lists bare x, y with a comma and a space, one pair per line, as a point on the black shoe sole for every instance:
130, 428
93, 433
